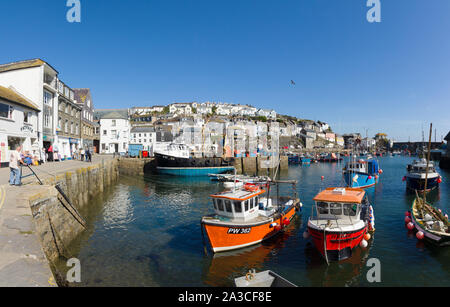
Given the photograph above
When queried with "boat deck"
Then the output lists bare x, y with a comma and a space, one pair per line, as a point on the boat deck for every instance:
339, 225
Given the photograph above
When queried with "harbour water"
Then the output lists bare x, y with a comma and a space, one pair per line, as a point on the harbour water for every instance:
146, 232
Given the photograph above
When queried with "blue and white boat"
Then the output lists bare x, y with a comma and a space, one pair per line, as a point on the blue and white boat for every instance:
305, 161
416, 175
362, 173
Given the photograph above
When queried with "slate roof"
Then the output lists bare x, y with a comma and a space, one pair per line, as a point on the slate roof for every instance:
81, 94
13, 96
447, 138
113, 115
142, 129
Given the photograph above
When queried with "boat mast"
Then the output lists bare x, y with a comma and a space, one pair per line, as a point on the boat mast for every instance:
428, 162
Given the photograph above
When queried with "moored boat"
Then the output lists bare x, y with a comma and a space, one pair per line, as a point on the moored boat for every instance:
429, 223
266, 279
342, 219
248, 215
177, 160
362, 174
305, 160
418, 173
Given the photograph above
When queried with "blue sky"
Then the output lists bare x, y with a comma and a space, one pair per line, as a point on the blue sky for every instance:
391, 77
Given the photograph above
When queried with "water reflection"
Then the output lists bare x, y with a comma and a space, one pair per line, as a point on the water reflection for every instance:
225, 267
146, 232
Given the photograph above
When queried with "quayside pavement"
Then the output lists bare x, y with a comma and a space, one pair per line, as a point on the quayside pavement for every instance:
22, 260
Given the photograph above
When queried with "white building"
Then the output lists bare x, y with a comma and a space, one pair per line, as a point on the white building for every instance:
145, 136
114, 133
18, 124
37, 81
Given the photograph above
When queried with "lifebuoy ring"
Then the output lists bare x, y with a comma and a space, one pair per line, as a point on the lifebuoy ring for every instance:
251, 187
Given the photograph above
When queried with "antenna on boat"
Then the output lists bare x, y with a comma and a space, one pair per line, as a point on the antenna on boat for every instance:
428, 163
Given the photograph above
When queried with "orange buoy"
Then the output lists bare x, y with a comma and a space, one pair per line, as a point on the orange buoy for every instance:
367, 237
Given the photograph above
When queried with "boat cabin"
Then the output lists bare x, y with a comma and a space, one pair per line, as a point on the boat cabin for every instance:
420, 167
370, 167
339, 203
239, 204
175, 150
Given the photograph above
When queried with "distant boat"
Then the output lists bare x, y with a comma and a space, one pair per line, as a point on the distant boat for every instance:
293, 159
305, 160
417, 173
362, 173
176, 160
330, 158
266, 279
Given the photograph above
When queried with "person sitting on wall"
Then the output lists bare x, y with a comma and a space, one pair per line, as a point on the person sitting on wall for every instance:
14, 161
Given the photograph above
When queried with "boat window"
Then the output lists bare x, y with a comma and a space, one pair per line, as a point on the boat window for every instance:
322, 208
220, 205
237, 207
215, 203
336, 209
228, 206
350, 209
246, 205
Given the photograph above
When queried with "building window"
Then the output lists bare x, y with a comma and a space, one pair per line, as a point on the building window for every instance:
105, 132
113, 123
6, 111
114, 133
48, 98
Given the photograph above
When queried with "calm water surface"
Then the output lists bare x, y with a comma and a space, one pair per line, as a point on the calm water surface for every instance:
146, 232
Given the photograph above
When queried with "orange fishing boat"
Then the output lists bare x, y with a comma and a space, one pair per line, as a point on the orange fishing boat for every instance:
248, 215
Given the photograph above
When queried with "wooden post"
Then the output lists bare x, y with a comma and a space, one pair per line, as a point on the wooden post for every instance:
428, 162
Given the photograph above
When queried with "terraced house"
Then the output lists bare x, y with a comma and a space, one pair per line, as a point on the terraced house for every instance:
89, 138
69, 121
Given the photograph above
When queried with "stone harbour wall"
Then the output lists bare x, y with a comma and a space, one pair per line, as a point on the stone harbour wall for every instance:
57, 218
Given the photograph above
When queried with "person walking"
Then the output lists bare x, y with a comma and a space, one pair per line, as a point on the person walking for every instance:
14, 161
89, 154
82, 154
50, 153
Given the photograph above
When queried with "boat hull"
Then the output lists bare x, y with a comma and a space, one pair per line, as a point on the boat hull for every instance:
439, 240
413, 184
193, 171
171, 161
235, 236
339, 245
362, 180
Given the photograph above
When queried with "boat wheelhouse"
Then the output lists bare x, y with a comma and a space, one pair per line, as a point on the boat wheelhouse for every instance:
417, 173
340, 220
362, 173
247, 216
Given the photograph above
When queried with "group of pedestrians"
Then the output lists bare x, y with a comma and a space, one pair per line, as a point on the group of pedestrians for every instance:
18, 159
83, 155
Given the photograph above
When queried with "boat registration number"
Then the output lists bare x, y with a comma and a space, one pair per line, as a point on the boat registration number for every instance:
239, 231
